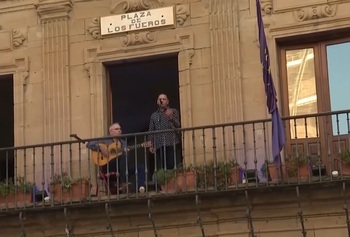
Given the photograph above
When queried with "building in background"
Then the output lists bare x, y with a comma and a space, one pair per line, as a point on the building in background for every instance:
75, 67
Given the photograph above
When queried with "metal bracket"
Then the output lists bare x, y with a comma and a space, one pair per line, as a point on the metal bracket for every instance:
199, 219
150, 216
109, 223
300, 213
68, 229
346, 209
249, 215
22, 218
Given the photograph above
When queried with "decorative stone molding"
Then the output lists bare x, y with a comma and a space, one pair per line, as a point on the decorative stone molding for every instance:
315, 12
25, 75
125, 6
53, 9
19, 68
191, 53
87, 68
182, 13
96, 57
94, 28
266, 6
17, 38
139, 38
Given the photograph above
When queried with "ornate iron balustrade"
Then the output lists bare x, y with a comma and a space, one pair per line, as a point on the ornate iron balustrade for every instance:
216, 158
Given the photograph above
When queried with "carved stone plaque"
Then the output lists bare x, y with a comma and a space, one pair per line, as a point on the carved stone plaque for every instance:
6, 40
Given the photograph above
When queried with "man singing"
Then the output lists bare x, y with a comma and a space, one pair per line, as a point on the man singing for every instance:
166, 146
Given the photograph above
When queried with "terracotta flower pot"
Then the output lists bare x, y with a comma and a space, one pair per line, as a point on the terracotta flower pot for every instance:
20, 199
186, 181
77, 192
169, 187
235, 177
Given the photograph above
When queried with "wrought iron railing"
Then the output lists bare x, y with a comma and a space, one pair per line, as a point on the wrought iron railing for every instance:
223, 157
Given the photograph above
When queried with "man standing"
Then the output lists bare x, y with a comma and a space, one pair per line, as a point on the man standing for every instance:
166, 146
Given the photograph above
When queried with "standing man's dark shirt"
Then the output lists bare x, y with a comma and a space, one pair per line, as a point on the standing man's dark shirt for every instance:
166, 146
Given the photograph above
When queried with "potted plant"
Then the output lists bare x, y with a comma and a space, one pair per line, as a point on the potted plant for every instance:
235, 173
186, 178
345, 162
18, 191
270, 171
297, 166
222, 174
165, 178
65, 188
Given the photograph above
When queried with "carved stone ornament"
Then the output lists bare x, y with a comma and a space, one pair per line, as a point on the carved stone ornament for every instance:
17, 38
25, 75
94, 28
316, 12
266, 6
125, 6
191, 53
139, 38
182, 13
54, 9
87, 68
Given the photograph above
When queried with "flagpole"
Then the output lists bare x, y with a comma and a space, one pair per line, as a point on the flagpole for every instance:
278, 133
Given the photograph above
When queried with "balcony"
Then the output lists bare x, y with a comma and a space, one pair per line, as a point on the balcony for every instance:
221, 158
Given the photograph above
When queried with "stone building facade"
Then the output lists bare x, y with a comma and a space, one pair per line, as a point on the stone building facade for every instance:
58, 60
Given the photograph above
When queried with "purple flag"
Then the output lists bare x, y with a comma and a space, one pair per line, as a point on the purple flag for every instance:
278, 135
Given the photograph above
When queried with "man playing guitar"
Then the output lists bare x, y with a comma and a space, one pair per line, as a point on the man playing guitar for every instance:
114, 166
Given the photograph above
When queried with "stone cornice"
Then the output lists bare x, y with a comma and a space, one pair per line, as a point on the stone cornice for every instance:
54, 9
6, 8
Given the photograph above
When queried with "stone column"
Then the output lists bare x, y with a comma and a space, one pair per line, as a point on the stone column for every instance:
54, 17
55, 56
226, 76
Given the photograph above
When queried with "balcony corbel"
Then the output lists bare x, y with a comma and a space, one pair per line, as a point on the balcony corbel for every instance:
300, 213
346, 209
109, 223
68, 228
22, 218
249, 215
199, 219
150, 216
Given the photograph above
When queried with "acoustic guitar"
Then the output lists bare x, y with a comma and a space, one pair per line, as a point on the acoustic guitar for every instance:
112, 151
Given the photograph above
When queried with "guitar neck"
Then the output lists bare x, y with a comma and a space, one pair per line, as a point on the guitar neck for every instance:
135, 146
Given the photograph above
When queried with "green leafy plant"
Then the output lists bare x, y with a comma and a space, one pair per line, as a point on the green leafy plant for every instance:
183, 169
63, 180
7, 187
164, 176
293, 163
220, 174
11, 186
24, 186
345, 157
66, 182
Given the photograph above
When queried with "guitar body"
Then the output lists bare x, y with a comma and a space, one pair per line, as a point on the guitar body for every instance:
107, 153
112, 151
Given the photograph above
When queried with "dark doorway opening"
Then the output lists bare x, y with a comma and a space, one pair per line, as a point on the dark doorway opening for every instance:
134, 88
6, 127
